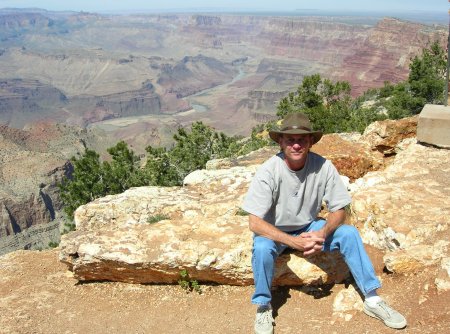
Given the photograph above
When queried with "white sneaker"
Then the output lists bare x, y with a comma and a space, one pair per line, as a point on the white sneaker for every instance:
385, 313
264, 321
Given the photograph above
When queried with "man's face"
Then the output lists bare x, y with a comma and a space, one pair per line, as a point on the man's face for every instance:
295, 149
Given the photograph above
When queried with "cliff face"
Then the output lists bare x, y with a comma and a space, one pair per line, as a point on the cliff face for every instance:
23, 101
363, 55
194, 74
32, 162
321, 42
24, 20
384, 55
87, 109
26, 101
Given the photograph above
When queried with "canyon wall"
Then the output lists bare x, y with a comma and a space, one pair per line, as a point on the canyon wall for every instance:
103, 65
32, 163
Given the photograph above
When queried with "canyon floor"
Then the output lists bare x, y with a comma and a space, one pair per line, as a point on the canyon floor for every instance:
38, 295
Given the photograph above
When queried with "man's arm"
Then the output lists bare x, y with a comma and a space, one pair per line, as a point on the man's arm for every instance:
267, 230
334, 220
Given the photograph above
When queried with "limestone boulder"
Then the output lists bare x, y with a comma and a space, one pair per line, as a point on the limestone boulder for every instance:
383, 136
150, 234
346, 304
414, 258
353, 159
404, 209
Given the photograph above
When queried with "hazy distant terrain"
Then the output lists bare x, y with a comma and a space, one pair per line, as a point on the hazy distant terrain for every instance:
139, 77
70, 81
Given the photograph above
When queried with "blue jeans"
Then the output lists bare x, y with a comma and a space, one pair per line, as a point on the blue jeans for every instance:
346, 239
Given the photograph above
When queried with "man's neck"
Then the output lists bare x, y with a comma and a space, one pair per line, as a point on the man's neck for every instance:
296, 165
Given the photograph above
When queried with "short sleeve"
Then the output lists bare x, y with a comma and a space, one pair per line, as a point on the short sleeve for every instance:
336, 194
259, 197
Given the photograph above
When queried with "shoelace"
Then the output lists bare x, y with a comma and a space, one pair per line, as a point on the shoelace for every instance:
389, 310
264, 317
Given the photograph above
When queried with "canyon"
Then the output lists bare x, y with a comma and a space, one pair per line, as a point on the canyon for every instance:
70, 81
135, 74
33, 161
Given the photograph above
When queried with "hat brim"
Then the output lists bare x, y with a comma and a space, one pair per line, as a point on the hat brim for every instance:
275, 135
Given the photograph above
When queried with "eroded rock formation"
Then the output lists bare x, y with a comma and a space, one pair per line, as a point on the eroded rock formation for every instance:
187, 77
32, 162
404, 209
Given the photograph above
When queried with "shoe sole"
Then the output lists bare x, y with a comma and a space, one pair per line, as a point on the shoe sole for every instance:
264, 332
386, 322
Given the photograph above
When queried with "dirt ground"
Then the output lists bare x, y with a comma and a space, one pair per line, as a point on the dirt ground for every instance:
39, 295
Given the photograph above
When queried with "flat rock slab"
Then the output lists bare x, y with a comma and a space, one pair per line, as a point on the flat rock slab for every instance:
218, 253
434, 125
201, 231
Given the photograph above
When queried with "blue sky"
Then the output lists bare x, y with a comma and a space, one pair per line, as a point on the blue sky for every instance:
282, 5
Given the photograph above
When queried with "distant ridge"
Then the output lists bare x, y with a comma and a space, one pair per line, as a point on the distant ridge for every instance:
421, 16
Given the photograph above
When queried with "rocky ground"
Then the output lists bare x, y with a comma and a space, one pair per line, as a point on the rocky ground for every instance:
38, 295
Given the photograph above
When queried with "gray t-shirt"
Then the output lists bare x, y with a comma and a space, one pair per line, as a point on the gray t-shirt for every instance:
291, 199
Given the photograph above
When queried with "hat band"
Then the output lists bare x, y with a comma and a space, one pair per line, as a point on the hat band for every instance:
295, 127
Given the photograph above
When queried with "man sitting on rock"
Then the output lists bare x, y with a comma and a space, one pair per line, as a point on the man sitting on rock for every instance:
283, 201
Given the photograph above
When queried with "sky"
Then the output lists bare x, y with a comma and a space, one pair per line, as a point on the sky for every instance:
231, 5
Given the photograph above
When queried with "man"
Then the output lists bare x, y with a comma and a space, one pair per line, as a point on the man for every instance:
283, 201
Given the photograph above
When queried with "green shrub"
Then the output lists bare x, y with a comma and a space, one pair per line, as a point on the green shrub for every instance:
53, 244
92, 178
156, 218
187, 283
68, 227
241, 212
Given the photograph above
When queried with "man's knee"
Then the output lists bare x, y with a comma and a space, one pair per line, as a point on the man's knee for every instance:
347, 232
264, 248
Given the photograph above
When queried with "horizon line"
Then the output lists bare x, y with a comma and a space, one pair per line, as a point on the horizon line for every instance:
228, 9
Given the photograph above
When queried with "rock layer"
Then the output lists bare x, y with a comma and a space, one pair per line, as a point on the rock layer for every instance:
237, 67
32, 162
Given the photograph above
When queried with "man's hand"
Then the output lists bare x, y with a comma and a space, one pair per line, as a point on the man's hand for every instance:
333, 221
315, 234
307, 243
